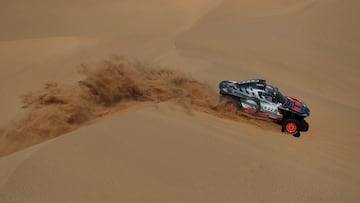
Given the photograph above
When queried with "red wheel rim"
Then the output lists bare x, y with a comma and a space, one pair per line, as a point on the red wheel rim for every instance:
291, 127
231, 107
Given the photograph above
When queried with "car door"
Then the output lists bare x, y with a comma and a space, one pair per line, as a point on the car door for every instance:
269, 105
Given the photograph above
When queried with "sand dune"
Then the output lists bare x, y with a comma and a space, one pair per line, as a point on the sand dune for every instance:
320, 38
44, 42
162, 139
310, 52
39, 18
194, 158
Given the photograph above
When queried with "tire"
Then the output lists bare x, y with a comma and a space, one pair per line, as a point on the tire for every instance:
304, 126
232, 105
291, 126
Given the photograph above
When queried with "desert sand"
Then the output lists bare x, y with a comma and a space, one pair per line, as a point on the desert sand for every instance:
175, 146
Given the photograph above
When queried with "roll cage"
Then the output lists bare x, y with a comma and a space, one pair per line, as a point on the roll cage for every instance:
274, 94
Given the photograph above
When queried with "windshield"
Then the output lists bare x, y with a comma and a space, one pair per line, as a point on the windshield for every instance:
280, 97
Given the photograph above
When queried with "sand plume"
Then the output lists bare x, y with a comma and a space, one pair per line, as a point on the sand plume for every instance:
59, 108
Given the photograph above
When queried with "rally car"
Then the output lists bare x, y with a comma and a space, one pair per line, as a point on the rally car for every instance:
264, 100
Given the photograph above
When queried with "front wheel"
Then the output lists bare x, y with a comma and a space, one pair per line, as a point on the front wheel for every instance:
291, 126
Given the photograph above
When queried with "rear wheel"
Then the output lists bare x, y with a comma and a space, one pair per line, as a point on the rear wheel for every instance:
291, 126
232, 105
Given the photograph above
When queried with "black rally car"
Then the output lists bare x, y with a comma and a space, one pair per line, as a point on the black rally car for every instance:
261, 99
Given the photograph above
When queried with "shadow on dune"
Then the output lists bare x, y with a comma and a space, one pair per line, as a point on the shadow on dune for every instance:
59, 108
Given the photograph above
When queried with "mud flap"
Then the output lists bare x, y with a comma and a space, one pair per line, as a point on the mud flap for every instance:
304, 126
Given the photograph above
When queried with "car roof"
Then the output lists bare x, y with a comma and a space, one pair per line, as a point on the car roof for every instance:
256, 83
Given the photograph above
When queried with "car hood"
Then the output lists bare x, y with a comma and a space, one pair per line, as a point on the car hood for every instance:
297, 106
